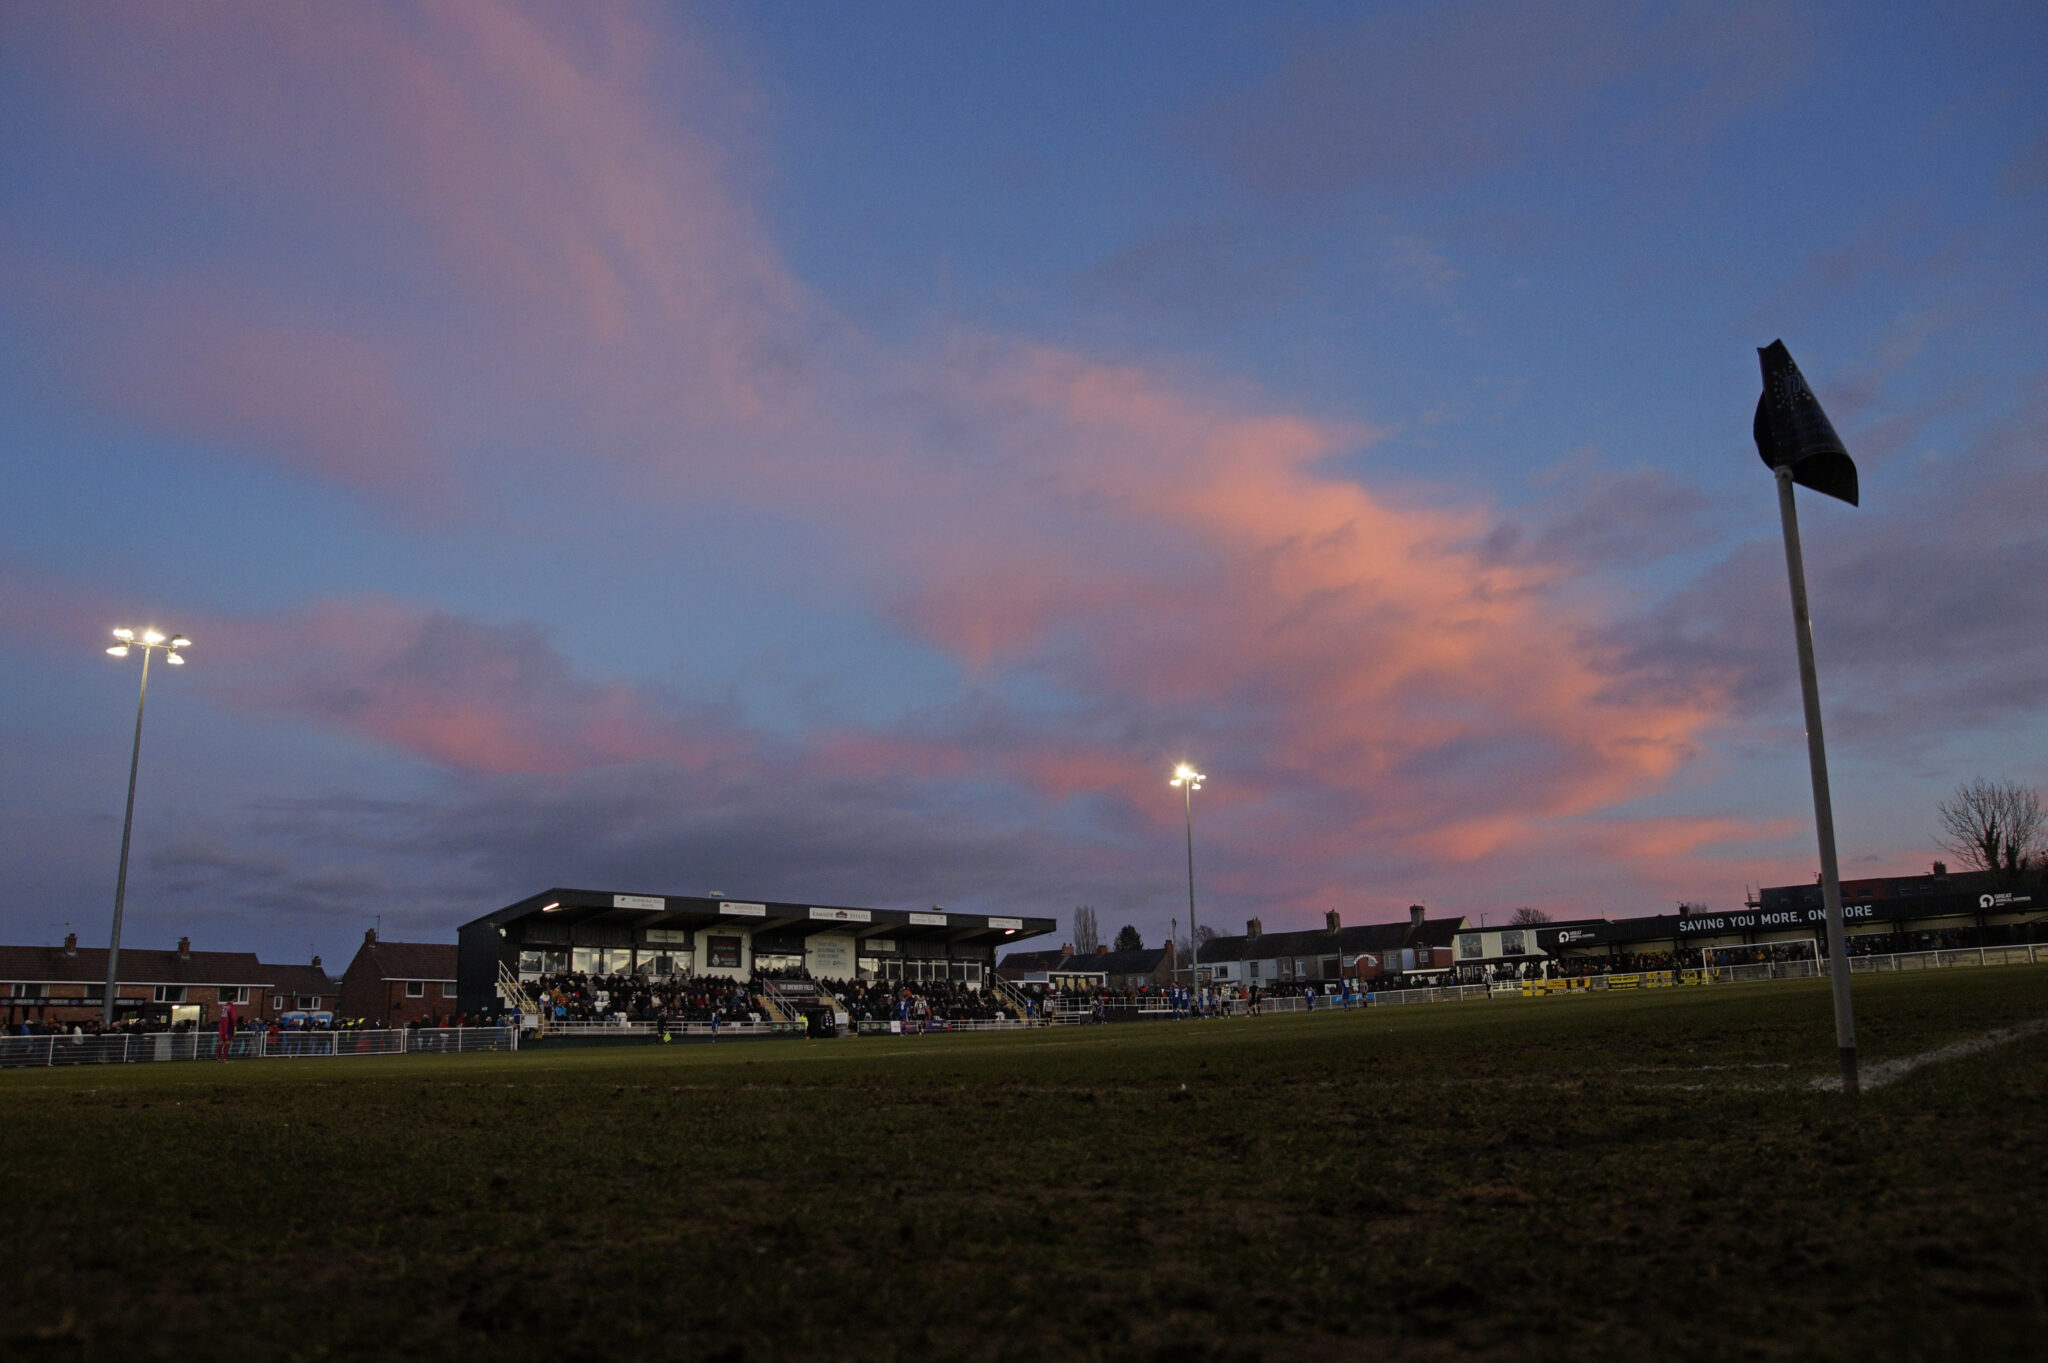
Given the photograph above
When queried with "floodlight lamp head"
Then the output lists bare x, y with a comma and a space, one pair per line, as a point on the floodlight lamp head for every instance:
125, 635
118, 651
150, 636
1792, 432
180, 641
175, 659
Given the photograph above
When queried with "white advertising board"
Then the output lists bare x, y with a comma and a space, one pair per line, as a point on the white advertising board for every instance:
841, 916
829, 956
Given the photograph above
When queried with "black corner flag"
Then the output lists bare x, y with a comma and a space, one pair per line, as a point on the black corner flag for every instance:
1793, 432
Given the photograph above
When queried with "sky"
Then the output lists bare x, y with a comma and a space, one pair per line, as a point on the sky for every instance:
848, 453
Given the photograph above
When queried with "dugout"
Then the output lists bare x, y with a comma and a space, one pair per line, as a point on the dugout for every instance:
602, 932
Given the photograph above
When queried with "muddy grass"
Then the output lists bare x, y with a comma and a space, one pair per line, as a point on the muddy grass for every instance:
1576, 1177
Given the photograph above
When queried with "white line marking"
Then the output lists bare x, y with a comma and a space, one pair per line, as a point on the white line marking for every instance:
1891, 1071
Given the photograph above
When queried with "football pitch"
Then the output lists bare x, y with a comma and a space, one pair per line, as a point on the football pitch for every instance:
1609, 1176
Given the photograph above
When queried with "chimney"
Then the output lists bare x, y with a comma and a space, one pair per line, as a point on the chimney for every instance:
1415, 912
370, 937
316, 963
1066, 948
70, 944
1102, 948
1332, 921
1941, 868
184, 948
1253, 927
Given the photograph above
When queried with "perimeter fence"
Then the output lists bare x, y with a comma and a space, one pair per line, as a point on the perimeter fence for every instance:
128, 1048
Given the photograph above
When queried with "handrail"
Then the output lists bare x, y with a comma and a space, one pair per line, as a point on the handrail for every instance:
1009, 993
780, 1006
512, 990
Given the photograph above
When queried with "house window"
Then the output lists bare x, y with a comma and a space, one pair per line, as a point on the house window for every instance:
1255, 970
415, 989
234, 993
1513, 944
170, 993
307, 1002
447, 989
277, 1003
28, 991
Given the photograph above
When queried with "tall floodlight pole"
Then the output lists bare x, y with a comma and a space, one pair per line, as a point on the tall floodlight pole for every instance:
1799, 445
1189, 780
149, 641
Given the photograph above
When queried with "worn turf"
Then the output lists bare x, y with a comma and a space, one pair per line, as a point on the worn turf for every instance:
1586, 1177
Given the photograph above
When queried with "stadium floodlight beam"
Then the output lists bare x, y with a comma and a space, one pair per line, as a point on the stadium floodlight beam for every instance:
1799, 445
1189, 780
151, 641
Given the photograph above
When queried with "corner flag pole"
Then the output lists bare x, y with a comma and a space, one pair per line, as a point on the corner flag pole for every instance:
1823, 804
1798, 444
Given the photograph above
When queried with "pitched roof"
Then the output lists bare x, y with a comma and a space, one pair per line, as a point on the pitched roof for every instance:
303, 979
139, 965
1031, 960
407, 960
1367, 937
1439, 932
1143, 961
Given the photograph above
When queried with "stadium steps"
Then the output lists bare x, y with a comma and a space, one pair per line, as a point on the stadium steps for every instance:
513, 994
1008, 995
772, 1003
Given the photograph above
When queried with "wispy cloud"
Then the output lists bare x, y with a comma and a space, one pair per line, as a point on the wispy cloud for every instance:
1424, 95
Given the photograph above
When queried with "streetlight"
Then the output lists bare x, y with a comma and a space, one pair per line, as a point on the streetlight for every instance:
1189, 780
1799, 445
149, 641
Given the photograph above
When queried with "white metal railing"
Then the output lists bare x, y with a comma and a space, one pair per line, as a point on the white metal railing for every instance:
512, 991
129, 1048
618, 1028
890, 1027
1010, 996
781, 1005
2017, 953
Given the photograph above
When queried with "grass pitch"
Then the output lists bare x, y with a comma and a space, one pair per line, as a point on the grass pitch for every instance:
1600, 1177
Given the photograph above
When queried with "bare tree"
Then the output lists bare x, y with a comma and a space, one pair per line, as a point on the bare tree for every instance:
1085, 935
1526, 917
1183, 949
1993, 826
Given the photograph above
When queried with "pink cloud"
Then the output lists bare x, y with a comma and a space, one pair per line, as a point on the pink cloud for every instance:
529, 234
1128, 567
1330, 639
470, 696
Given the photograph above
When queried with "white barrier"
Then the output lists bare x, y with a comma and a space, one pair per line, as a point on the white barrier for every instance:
621, 1029
128, 1048
889, 1027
